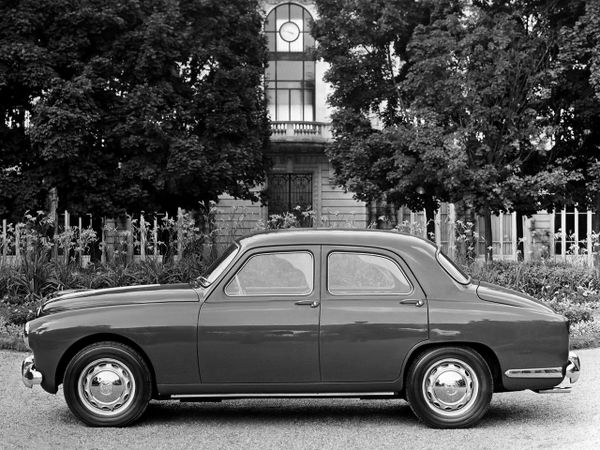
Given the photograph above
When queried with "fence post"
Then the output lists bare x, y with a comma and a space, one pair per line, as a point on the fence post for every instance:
451, 231
513, 227
17, 243
155, 237
103, 241
142, 238
4, 249
79, 249
576, 231
590, 245
438, 230
54, 219
501, 250
179, 233
563, 237
129, 226
67, 224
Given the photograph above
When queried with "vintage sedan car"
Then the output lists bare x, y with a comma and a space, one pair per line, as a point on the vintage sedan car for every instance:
303, 313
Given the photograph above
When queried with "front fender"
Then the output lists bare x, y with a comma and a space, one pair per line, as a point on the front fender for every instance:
165, 332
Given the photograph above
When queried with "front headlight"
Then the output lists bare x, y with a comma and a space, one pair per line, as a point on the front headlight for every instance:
26, 334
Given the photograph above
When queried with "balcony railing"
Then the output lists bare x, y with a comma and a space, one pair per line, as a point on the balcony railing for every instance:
300, 131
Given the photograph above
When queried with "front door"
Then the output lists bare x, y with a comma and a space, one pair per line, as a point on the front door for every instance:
261, 324
372, 313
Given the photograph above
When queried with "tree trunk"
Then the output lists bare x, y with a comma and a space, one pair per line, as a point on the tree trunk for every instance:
489, 241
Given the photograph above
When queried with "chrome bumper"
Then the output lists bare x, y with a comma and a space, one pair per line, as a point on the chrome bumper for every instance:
571, 376
29, 375
574, 368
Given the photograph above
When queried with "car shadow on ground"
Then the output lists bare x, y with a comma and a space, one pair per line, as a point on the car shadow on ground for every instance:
386, 412
277, 411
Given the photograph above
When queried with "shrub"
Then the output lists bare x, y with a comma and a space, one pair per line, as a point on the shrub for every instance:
571, 291
541, 279
18, 315
574, 312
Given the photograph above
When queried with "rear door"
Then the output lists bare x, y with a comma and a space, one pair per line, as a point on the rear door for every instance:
261, 324
372, 313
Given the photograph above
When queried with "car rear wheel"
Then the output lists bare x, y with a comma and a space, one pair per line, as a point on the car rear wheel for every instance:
107, 384
449, 387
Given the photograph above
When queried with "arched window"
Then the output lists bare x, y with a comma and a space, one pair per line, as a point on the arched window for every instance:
290, 76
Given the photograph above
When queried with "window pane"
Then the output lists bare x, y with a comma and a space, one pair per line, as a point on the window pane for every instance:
271, 104
289, 85
308, 21
219, 265
289, 70
309, 42
297, 45
271, 38
296, 105
296, 14
309, 111
309, 70
452, 269
284, 273
283, 105
270, 22
361, 273
270, 72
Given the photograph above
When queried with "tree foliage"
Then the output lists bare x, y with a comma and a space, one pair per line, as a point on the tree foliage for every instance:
575, 100
456, 101
130, 105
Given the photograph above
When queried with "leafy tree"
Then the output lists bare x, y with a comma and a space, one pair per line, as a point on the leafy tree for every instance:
460, 118
131, 105
575, 94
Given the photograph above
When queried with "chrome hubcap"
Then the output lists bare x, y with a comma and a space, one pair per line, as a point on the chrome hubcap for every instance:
450, 387
106, 387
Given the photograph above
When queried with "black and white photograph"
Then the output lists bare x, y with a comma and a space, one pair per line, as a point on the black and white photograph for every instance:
307, 224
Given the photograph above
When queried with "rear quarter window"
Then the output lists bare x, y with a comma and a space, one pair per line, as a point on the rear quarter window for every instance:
452, 269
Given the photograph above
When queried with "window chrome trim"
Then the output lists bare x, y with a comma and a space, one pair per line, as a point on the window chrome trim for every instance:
378, 294
312, 287
442, 259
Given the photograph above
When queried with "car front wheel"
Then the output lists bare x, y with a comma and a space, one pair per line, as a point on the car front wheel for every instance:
449, 387
107, 384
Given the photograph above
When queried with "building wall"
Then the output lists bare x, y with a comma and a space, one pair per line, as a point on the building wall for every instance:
332, 206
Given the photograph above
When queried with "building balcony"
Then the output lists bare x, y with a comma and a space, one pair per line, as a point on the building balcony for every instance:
301, 132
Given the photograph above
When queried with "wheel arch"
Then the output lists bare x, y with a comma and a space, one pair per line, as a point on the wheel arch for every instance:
100, 337
486, 353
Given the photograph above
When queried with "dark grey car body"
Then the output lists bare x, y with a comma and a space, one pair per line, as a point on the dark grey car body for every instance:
199, 341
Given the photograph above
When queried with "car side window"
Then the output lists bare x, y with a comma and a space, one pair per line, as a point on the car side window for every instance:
364, 273
274, 273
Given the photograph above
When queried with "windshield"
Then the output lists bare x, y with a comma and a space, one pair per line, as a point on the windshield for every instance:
218, 266
452, 269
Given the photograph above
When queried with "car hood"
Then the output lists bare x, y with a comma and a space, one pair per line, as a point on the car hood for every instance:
497, 294
94, 298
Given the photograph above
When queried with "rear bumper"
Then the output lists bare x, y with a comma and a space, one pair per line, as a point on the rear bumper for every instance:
571, 376
573, 368
29, 375
567, 376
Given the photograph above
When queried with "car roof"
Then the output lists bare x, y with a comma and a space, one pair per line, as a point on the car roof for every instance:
335, 236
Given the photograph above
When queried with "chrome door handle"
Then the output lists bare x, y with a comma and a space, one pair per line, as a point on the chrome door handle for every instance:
413, 301
311, 303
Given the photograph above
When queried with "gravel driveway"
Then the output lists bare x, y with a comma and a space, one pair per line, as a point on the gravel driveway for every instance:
35, 419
